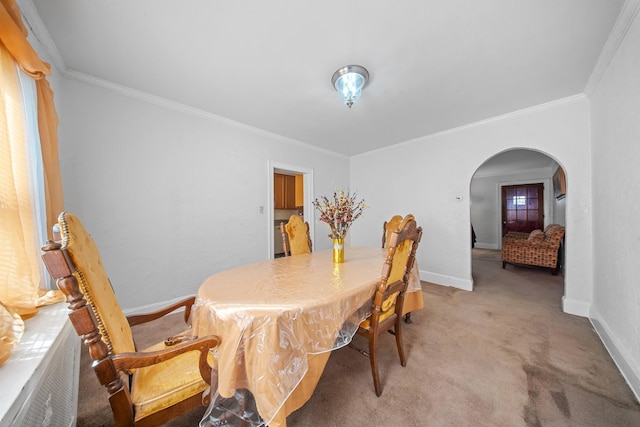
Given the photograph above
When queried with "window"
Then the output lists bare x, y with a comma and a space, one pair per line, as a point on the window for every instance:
519, 200
20, 237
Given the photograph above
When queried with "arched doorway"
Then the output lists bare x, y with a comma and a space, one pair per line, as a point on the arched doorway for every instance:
514, 169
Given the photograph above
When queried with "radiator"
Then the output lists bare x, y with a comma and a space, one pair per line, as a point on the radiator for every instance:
43, 376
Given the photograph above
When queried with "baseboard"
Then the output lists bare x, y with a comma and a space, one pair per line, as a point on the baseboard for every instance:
481, 245
440, 279
149, 308
575, 307
619, 354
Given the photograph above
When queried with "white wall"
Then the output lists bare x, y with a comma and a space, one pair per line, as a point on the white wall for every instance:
426, 176
616, 208
173, 197
482, 200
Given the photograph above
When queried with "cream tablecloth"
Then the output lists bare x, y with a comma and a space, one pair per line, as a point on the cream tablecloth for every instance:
278, 320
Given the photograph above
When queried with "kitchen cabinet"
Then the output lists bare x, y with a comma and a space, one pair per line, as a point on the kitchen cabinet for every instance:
284, 191
278, 191
299, 190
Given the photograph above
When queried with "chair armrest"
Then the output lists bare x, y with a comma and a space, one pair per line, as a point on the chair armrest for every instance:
397, 286
137, 319
125, 362
532, 244
515, 235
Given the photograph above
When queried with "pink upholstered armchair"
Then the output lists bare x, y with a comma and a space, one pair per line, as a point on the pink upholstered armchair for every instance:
538, 248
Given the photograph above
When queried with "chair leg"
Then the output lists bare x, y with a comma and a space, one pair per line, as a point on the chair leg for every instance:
504, 264
373, 358
399, 344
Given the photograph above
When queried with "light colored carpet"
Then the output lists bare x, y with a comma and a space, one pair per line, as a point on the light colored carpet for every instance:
502, 355
486, 255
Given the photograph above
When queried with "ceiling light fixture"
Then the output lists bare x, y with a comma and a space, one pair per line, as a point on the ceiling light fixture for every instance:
349, 82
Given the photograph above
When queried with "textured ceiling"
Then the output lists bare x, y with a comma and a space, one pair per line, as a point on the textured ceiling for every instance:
434, 65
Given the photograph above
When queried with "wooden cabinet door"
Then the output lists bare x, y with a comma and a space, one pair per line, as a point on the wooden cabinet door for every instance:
284, 191
278, 191
299, 190
289, 192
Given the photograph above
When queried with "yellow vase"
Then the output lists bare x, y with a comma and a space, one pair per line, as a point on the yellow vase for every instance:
338, 251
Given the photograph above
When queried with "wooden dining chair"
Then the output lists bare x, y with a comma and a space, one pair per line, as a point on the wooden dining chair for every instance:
388, 227
388, 299
296, 239
146, 387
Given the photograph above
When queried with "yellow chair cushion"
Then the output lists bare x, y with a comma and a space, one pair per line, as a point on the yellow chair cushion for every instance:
159, 386
400, 261
366, 323
95, 284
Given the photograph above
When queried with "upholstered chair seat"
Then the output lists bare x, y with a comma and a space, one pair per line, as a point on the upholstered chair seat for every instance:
152, 389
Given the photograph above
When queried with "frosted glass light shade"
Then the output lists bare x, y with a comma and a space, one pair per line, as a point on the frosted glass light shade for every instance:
349, 82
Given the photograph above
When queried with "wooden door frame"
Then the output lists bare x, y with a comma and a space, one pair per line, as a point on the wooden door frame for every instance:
547, 194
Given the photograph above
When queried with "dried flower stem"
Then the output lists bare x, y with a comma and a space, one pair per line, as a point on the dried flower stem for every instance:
340, 212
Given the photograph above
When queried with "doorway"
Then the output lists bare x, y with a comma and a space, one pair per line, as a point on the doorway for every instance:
512, 191
295, 198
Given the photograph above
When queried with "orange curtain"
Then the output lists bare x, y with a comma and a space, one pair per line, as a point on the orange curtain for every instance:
19, 273
20, 277
13, 35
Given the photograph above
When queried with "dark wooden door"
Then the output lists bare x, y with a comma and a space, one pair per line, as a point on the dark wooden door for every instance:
522, 208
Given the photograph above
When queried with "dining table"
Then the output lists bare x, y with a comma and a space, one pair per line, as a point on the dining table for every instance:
278, 321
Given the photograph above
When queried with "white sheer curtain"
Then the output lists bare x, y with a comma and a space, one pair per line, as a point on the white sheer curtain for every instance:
35, 165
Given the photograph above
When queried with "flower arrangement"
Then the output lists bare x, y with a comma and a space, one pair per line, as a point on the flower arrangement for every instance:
340, 212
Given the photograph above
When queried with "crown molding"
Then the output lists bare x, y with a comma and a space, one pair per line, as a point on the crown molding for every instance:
38, 30
513, 114
186, 109
618, 33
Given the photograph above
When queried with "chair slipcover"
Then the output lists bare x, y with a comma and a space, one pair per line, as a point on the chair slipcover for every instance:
297, 230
